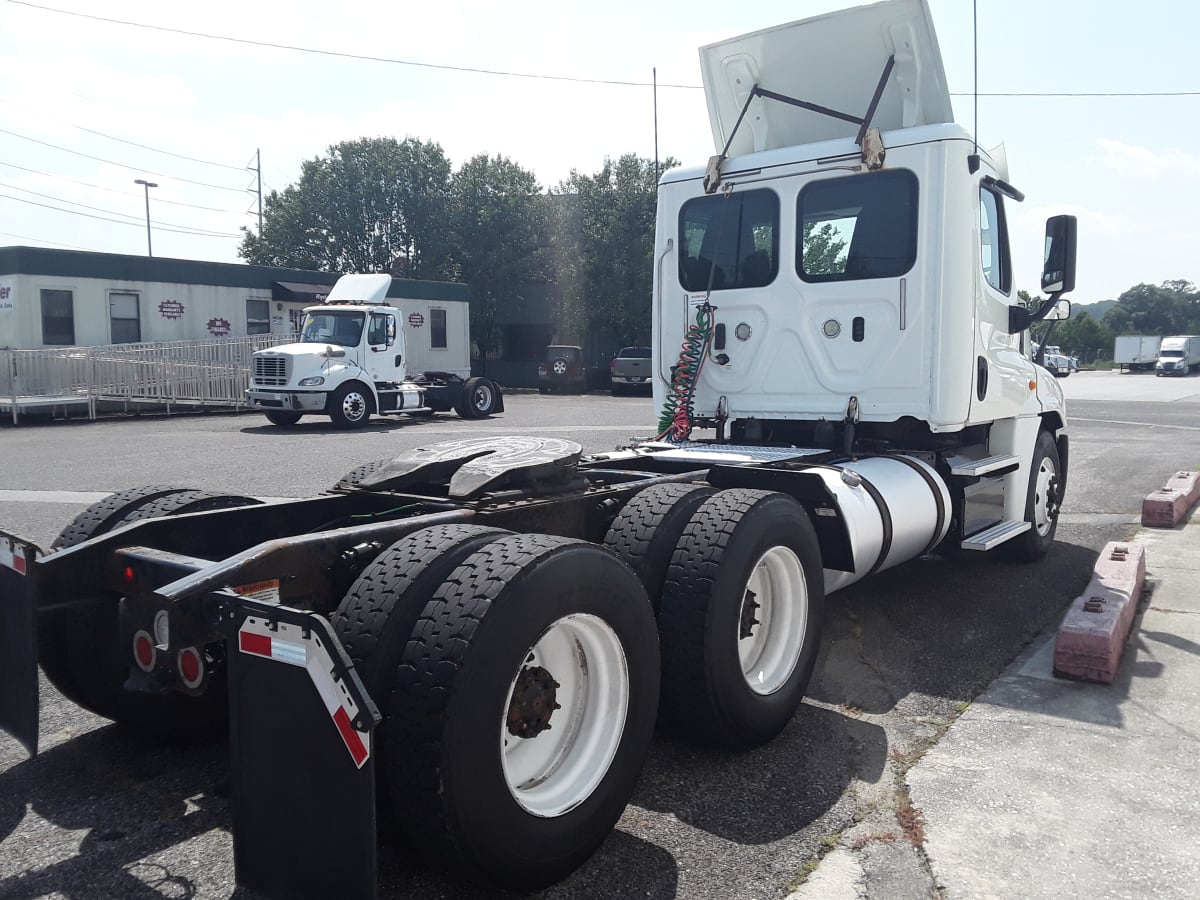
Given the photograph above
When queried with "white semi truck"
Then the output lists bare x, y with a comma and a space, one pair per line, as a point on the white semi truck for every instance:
842, 363
359, 355
1178, 355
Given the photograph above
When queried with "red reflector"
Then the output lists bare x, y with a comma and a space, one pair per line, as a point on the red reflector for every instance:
143, 651
128, 573
258, 644
191, 667
354, 744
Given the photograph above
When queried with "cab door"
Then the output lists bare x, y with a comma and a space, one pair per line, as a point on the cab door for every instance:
385, 348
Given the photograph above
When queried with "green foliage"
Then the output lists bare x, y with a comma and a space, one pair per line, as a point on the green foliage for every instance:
371, 205
824, 250
498, 237
604, 248
1170, 308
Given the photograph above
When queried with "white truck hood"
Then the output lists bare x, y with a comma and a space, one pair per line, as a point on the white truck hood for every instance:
834, 61
311, 355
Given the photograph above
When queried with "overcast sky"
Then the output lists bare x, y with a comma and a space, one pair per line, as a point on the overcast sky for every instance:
1128, 167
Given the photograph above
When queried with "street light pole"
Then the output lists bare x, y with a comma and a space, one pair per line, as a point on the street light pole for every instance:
147, 185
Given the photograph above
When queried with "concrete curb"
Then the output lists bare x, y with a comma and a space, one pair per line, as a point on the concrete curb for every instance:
1094, 631
1169, 505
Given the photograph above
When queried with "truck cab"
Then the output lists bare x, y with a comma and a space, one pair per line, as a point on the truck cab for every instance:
843, 263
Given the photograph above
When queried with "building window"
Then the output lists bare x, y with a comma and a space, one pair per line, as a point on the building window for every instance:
437, 329
123, 316
729, 241
993, 237
864, 226
258, 317
58, 318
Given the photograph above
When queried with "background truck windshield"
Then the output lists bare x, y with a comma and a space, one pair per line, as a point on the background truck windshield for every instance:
343, 328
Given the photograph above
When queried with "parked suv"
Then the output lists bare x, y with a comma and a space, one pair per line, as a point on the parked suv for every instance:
562, 369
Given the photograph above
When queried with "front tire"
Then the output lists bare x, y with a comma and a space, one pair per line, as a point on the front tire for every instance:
740, 617
350, 406
1043, 501
524, 708
276, 417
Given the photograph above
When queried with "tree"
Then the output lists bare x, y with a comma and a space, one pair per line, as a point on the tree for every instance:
604, 247
371, 205
498, 238
1170, 308
824, 249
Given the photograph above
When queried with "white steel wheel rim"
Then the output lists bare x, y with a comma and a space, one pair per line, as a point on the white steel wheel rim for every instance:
483, 398
772, 620
1042, 512
554, 771
354, 406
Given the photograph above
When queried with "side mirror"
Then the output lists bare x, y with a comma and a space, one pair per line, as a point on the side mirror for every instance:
1061, 310
332, 352
1058, 269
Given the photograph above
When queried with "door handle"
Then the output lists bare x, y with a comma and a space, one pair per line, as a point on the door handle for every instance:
398, 358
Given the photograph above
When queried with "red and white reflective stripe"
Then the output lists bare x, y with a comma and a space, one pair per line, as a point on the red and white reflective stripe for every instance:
12, 555
288, 644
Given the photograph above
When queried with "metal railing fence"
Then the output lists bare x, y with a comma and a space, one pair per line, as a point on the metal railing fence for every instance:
215, 372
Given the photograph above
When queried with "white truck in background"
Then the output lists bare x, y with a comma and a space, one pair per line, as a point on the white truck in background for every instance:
359, 355
1136, 351
1178, 355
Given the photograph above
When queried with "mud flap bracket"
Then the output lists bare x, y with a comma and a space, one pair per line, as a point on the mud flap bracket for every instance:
18, 640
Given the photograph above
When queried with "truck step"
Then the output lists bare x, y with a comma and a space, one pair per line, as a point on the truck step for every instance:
994, 536
990, 465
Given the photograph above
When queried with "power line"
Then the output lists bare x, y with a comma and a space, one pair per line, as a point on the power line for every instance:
27, 237
219, 187
511, 74
316, 50
138, 219
220, 234
101, 187
110, 137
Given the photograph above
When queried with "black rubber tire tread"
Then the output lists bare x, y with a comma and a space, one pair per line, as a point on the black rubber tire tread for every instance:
376, 617
352, 478
279, 417
69, 640
703, 689
103, 515
648, 528
1031, 546
448, 788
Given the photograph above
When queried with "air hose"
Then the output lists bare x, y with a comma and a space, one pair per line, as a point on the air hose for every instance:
675, 421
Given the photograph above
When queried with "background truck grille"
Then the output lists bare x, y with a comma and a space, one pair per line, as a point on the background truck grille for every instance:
271, 370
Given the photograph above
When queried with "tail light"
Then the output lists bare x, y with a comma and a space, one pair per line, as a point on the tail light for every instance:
144, 652
612, 367
190, 665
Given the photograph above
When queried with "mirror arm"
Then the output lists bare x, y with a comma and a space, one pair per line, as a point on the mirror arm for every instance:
1020, 318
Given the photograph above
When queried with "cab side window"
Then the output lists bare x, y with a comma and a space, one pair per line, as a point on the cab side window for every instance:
729, 241
993, 242
377, 334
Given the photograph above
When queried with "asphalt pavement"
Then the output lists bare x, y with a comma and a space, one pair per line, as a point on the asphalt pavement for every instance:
1050, 788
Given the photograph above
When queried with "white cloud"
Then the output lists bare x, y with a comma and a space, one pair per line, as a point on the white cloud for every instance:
1144, 164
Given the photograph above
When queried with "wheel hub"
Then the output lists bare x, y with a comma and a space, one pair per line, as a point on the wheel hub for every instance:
533, 702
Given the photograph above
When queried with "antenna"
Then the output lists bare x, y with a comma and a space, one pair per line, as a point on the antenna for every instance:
973, 159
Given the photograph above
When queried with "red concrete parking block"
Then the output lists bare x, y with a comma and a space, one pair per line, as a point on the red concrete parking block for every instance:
1170, 503
1093, 632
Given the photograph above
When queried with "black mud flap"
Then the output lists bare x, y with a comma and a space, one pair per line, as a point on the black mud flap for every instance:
18, 640
303, 763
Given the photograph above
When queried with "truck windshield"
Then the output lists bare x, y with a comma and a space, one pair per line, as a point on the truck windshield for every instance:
1171, 354
326, 327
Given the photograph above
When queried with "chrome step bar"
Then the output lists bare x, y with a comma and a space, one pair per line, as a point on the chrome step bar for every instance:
995, 535
990, 465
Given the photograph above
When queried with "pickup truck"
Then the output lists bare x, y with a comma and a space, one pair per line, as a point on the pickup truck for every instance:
631, 370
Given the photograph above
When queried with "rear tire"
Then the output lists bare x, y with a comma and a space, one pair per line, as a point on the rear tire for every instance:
80, 648
480, 399
524, 708
276, 417
376, 617
740, 618
647, 530
1043, 500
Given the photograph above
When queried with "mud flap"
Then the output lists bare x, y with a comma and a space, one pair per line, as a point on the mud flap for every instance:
303, 771
18, 640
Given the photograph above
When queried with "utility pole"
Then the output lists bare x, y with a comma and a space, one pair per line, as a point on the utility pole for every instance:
147, 185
